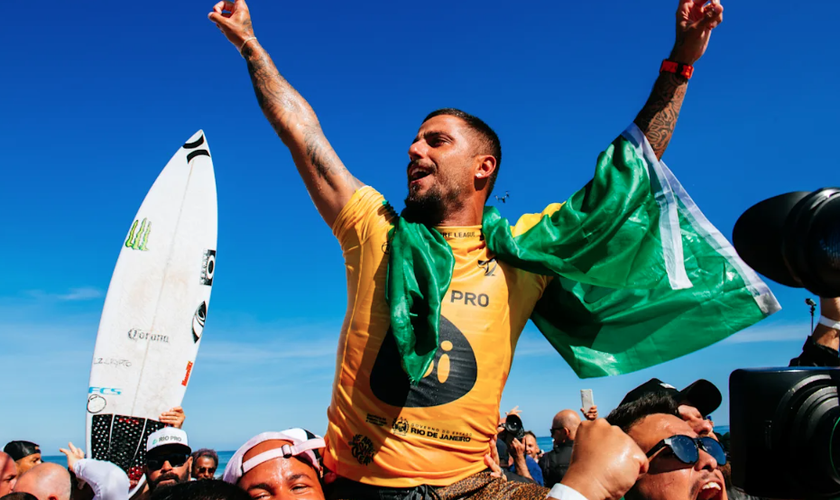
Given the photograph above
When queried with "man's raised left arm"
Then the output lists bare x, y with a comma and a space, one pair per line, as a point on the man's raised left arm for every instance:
658, 117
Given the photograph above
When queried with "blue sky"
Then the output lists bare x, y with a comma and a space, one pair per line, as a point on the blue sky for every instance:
96, 98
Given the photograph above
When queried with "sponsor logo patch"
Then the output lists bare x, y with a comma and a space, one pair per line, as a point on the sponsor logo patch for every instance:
376, 420
110, 391
166, 440
400, 426
208, 267
451, 376
199, 318
489, 266
362, 449
137, 334
138, 237
119, 363
187, 376
96, 403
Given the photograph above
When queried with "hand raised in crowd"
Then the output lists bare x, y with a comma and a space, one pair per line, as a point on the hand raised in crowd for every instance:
591, 413
513, 411
174, 417
517, 448
517, 451
695, 22
73, 455
491, 460
234, 20
605, 461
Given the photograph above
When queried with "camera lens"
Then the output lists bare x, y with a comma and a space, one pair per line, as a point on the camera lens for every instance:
824, 247
812, 413
835, 448
785, 425
514, 428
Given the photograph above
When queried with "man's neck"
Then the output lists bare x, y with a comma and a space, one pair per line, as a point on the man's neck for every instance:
469, 214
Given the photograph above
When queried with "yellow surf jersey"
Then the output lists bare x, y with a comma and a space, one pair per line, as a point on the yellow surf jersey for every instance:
383, 431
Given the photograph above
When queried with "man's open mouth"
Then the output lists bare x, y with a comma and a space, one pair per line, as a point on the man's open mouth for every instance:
417, 172
712, 490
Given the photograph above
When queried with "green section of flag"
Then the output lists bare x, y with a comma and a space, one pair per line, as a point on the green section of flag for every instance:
640, 276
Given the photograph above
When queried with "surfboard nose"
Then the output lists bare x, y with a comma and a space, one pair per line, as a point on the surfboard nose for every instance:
196, 140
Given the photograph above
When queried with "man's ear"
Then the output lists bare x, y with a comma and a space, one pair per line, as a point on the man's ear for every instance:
485, 167
189, 468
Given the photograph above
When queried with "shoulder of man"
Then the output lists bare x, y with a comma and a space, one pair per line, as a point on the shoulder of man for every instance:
366, 212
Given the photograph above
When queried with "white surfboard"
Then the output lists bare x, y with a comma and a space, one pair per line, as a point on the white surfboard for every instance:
153, 319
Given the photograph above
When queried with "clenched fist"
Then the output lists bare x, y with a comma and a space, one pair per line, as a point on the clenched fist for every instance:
234, 19
605, 461
695, 21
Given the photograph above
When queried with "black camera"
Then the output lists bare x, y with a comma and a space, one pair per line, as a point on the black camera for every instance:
785, 437
513, 429
794, 239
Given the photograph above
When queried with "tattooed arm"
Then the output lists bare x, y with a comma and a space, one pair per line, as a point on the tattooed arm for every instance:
694, 27
328, 181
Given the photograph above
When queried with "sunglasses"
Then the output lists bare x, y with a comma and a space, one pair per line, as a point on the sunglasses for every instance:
175, 460
687, 449
206, 470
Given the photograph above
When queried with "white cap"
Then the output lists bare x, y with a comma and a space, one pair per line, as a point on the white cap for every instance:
304, 445
167, 436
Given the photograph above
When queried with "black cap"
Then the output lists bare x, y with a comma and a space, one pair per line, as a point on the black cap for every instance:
21, 449
701, 394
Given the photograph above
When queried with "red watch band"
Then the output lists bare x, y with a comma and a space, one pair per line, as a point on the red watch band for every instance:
677, 68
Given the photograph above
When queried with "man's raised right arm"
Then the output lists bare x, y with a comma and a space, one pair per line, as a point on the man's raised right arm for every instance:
328, 181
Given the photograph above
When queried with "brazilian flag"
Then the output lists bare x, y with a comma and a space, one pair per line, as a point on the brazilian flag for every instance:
640, 275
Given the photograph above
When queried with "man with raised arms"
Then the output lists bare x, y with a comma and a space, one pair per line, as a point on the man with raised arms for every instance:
400, 426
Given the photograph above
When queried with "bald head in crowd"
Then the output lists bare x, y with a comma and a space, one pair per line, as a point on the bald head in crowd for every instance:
565, 425
46, 481
8, 474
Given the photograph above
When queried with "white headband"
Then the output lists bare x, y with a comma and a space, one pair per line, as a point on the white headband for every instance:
303, 444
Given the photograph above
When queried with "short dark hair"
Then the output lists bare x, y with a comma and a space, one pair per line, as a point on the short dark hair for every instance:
205, 452
19, 495
530, 433
490, 141
211, 489
627, 415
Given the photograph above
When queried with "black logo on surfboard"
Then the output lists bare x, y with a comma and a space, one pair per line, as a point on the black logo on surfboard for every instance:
208, 267
198, 152
199, 318
451, 376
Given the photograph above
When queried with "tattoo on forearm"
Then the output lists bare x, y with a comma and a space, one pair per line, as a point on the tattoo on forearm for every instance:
658, 117
275, 96
320, 154
285, 109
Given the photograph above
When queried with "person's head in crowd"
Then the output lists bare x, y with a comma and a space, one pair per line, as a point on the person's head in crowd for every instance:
46, 481
531, 447
279, 465
204, 464
19, 495
695, 402
26, 454
168, 458
211, 489
564, 426
681, 466
8, 473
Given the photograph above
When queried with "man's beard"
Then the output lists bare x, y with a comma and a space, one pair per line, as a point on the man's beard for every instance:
430, 208
154, 485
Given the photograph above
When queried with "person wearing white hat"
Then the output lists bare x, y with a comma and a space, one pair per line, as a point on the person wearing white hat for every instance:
279, 466
168, 458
